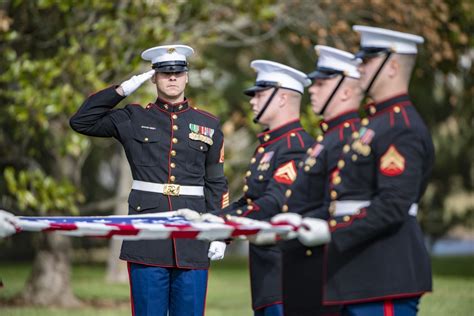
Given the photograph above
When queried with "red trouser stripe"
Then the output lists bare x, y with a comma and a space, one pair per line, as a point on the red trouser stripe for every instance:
388, 308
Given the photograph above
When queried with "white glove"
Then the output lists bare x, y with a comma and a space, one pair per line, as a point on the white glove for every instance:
8, 224
263, 239
133, 83
211, 218
216, 250
188, 214
292, 219
314, 232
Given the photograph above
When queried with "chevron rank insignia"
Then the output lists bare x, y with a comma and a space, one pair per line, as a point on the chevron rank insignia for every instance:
286, 173
392, 163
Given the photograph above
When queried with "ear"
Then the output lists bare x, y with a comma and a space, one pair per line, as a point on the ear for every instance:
187, 78
393, 68
283, 99
153, 78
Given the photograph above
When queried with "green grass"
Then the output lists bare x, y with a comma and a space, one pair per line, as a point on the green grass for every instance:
229, 293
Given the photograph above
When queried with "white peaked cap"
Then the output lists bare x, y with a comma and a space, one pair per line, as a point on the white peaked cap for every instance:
375, 37
284, 76
165, 53
335, 59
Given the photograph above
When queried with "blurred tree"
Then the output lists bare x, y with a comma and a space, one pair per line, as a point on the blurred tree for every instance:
56, 52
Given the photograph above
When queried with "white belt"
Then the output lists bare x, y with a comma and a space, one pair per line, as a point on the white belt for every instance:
168, 189
341, 208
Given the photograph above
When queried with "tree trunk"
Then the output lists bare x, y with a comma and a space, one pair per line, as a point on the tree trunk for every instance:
49, 281
116, 268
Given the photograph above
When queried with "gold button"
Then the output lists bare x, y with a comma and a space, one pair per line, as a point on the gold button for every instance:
320, 138
346, 218
253, 160
249, 201
309, 253
180, 107
324, 126
396, 109
260, 177
346, 148
284, 208
355, 135
292, 134
175, 140
172, 165
372, 110
333, 194
228, 217
245, 188
173, 153
346, 124
145, 139
336, 180
309, 151
248, 173
172, 178
175, 127
261, 149
139, 207
174, 116
365, 121
332, 223
239, 212
300, 164
201, 147
288, 193
266, 137
354, 157
250, 207
166, 106
341, 164
307, 168
147, 106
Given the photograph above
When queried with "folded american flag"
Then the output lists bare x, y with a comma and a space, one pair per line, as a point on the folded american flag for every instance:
147, 226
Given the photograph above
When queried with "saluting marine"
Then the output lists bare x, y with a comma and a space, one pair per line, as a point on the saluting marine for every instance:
175, 152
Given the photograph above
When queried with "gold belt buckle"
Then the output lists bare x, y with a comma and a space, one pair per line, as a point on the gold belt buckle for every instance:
171, 189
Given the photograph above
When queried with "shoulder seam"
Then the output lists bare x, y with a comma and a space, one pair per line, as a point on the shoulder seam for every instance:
206, 113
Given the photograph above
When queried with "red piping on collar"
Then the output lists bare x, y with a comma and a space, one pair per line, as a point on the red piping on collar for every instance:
172, 104
373, 103
278, 127
401, 105
280, 137
167, 112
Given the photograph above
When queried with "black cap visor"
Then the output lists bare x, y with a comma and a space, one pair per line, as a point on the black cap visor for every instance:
366, 53
260, 86
171, 66
324, 73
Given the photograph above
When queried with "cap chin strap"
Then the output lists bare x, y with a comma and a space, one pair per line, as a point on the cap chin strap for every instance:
259, 115
332, 95
366, 92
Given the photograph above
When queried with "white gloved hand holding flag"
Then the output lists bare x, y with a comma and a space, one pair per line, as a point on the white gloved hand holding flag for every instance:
314, 232
8, 224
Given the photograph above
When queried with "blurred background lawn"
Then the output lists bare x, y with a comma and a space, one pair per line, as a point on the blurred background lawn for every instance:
228, 292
